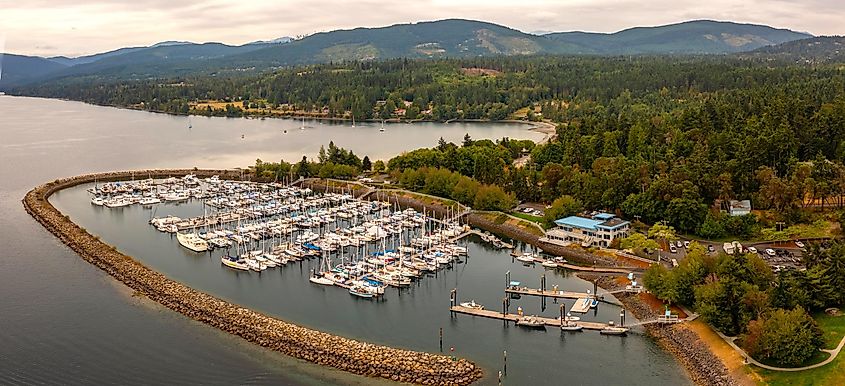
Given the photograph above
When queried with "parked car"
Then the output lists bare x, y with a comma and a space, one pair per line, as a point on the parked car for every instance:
711, 248
752, 249
674, 262
686, 244
799, 244
680, 244
672, 249
770, 251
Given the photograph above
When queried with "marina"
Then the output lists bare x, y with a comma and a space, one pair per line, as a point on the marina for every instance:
408, 317
362, 246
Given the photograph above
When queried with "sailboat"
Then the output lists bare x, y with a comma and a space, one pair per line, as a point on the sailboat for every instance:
353, 120
303, 124
189, 123
382, 127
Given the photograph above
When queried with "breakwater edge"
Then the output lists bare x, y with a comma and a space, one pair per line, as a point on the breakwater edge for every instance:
314, 346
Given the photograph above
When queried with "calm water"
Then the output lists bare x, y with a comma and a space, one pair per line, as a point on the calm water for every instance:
63, 320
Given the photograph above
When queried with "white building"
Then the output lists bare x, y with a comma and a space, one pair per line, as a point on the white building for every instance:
739, 208
597, 231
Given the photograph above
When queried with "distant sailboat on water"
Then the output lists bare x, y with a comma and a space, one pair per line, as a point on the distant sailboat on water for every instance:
303, 124
382, 126
353, 120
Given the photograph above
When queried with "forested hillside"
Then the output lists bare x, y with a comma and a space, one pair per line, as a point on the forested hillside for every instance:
655, 137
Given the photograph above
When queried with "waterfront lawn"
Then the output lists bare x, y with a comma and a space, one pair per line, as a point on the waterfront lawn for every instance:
526, 216
432, 200
831, 374
502, 218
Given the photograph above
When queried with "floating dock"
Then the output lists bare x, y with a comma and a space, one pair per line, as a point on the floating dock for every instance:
547, 293
582, 305
551, 322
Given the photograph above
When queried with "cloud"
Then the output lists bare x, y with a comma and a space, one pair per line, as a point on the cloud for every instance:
74, 27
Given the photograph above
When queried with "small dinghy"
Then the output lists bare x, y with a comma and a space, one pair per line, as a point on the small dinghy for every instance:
473, 305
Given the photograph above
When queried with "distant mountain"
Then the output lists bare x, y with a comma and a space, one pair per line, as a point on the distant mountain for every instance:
452, 37
813, 50
171, 59
692, 37
18, 68
281, 40
93, 58
432, 39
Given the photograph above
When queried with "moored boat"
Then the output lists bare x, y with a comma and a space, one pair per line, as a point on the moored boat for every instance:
472, 304
531, 322
234, 263
192, 241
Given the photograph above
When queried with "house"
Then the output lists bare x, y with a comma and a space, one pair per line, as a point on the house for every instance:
599, 230
739, 208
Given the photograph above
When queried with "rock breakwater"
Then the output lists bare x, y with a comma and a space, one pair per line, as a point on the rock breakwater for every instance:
314, 346
703, 367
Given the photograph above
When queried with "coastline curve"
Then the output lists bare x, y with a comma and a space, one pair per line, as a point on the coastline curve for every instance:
314, 346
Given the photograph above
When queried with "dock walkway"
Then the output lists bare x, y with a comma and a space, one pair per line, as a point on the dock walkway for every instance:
552, 322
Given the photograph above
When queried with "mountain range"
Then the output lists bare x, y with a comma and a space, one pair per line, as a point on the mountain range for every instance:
443, 38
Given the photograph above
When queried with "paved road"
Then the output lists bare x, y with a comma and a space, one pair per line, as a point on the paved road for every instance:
833, 353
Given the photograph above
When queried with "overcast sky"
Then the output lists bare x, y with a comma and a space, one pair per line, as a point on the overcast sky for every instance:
79, 27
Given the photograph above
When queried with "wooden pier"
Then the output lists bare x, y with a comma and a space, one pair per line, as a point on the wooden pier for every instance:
548, 293
551, 322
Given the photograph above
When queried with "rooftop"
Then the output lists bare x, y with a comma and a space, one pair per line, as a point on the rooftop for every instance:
579, 222
601, 220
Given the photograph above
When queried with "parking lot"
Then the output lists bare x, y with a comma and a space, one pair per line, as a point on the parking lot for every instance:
780, 255
529, 208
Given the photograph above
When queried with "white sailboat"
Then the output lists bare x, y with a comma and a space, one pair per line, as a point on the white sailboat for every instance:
382, 126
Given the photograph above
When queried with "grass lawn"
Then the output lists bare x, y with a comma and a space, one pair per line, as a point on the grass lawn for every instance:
430, 200
526, 216
831, 374
501, 218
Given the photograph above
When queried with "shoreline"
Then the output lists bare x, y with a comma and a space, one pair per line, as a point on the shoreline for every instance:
686, 346
543, 127
314, 346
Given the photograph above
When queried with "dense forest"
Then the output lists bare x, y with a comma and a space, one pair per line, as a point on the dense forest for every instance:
652, 137
740, 296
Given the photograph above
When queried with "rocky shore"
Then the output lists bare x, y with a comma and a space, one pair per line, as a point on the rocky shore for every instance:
703, 367
314, 346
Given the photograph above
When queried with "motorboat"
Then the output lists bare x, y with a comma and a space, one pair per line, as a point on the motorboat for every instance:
192, 241
147, 201
472, 304
611, 329
99, 201
526, 258
549, 263
361, 291
175, 196
530, 322
320, 279
116, 202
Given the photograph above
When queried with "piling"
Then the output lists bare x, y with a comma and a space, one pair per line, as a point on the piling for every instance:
441, 339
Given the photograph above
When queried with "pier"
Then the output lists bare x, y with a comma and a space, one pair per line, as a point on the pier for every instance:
551, 322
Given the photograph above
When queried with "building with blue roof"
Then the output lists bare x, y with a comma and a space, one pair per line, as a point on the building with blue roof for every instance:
598, 230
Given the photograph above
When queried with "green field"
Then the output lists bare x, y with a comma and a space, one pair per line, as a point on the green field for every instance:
828, 375
525, 216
